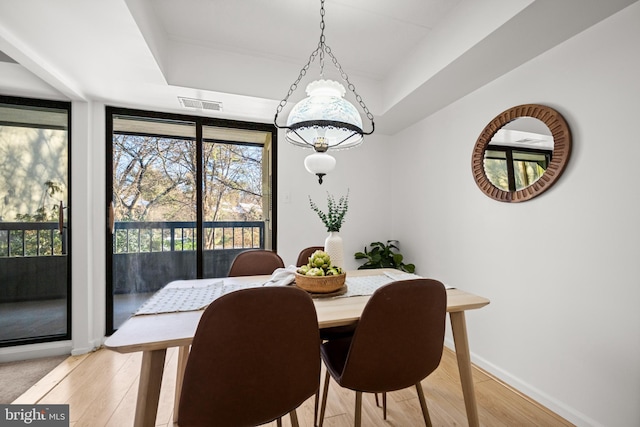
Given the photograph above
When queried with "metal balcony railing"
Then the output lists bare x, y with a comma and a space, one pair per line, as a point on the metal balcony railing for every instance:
24, 239
169, 236
39, 239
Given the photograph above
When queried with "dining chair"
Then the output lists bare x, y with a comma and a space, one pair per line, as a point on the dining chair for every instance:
255, 262
254, 358
305, 254
397, 343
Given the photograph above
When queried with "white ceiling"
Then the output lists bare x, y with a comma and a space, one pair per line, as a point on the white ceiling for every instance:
406, 58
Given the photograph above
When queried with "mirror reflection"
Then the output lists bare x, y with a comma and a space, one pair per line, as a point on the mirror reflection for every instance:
518, 154
521, 153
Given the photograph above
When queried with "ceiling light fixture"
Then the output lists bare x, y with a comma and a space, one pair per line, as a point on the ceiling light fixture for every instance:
324, 120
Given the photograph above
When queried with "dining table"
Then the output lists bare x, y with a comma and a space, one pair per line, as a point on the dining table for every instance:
170, 318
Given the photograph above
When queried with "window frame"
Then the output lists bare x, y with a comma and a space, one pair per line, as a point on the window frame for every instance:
34, 104
510, 157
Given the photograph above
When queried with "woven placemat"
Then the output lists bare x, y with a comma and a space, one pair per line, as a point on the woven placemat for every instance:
339, 292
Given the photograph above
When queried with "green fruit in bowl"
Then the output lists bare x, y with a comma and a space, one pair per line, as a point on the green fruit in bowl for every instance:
315, 272
320, 259
319, 265
303, 269
333, 271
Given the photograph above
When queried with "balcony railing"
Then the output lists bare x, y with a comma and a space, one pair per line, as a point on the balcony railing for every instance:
148, 255
33, 262
41, 239
169, 236
23, 239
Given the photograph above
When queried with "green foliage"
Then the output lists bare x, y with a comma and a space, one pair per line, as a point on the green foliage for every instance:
383, 256
37, 241
334, 217
44, 214
40, 215
153, 240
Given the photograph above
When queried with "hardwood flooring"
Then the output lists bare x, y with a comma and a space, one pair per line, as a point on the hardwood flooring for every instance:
101, 389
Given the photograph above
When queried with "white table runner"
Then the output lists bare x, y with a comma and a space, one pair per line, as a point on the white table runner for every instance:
200, 293
198, 297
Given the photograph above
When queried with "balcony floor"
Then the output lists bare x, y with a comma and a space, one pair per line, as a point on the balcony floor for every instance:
34, 319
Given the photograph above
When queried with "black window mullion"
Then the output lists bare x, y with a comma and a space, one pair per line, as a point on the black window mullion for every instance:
199, 202
511, 177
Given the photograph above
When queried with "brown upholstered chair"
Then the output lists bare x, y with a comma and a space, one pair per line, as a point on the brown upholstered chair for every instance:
305, 254
255, 262
398, 342
254, 358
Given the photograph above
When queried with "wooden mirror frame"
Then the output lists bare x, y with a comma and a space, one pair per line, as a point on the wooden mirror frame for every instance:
561, 152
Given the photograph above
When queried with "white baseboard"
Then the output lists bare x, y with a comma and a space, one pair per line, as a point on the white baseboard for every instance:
35, 351
92, 345
549, 402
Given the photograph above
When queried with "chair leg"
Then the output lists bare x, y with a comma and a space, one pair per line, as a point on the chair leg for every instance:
315, 407
279, 422
324, 398
294, 418
358, 416
384, 405
423, 405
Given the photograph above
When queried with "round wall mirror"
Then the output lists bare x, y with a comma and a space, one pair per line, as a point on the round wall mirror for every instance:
521, 153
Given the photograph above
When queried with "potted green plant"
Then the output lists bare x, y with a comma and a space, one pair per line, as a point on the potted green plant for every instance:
383, 256
336, 212
332, 220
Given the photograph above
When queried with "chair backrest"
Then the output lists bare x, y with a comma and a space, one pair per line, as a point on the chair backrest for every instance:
303, 257
255, 262
254, 358
399, 338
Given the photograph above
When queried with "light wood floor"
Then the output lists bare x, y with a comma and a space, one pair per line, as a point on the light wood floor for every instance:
101, 389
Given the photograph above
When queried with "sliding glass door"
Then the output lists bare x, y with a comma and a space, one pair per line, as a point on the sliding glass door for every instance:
185, 195
35, 297
236, 194
152, 211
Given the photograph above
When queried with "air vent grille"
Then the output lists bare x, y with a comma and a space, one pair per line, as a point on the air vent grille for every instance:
200, 104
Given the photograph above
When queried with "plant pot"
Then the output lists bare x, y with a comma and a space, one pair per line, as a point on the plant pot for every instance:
333, 246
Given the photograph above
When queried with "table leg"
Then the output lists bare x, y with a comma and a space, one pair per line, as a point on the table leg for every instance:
459, 328
183, 355
149, 387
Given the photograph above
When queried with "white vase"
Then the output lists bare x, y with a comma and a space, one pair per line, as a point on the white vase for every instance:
333, 246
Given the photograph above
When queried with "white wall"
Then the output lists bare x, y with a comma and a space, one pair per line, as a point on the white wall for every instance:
363, 171
561, 270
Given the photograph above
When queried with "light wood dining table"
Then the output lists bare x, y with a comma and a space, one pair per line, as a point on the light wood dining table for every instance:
153, 334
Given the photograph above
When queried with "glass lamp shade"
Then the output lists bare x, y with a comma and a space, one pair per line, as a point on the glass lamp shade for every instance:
319, 164
324, 120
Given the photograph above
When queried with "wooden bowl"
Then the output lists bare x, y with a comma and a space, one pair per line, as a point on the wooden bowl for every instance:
320, 284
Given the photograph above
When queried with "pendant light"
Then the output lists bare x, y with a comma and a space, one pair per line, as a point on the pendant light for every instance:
324, 120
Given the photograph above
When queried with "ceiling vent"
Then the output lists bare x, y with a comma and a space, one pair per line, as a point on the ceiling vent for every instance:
200, 104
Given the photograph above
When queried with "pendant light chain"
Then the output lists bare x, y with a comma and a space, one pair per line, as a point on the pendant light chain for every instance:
321, 50
322, 38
